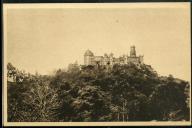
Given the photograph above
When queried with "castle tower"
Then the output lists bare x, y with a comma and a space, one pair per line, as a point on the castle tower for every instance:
88, 57
133, 51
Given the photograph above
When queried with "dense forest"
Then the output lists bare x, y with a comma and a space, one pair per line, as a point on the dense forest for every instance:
96, 93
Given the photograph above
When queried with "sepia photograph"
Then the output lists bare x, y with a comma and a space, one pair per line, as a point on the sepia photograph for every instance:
98, 64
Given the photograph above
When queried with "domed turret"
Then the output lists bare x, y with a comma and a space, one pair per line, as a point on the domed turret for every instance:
88, 57
88, 53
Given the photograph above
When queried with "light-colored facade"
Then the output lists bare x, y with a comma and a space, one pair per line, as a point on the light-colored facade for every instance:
90, 59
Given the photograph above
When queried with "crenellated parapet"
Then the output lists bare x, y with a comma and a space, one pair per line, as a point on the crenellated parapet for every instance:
109, 59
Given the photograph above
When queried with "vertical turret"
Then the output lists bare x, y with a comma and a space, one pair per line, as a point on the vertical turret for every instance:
133, 51
88, 58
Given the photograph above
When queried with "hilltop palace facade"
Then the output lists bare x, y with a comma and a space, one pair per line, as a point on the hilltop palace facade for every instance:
90, 59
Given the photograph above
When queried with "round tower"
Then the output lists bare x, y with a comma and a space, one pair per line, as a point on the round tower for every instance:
88, 57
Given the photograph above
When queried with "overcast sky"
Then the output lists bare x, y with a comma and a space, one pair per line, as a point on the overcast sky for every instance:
45, 39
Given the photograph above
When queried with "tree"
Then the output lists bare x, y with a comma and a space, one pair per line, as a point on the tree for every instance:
30, 97
92, 104
168, 99
11, 72
95, 93
42, 101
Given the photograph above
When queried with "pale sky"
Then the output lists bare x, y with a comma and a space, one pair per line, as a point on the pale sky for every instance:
45, 39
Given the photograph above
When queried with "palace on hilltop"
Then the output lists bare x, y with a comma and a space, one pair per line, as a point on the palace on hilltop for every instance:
91, 59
